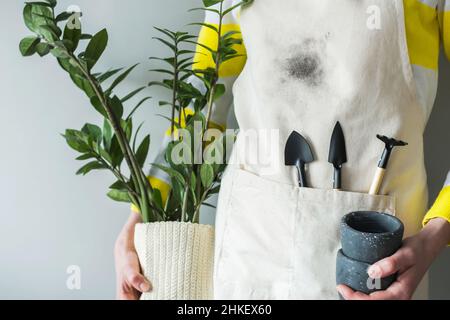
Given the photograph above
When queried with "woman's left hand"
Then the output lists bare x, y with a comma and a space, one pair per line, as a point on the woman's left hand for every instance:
411, 263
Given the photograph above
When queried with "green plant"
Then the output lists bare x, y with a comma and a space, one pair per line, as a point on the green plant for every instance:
115, 144
194, 182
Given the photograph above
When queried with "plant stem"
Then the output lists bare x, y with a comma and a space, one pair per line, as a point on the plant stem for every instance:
135, 169
174, 89
185, 202
196, 218
212, 92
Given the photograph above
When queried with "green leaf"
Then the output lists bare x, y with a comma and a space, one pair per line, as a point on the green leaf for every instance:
136, 136
167, 43
158, 83
162, 71
104, 154
43, 49
52, 30
127, 126
63, 16
117, 107
171, 172
59, 53
137, 107
105, 76
107, 134
27, 17
52, 3
119, 185
73, 36
206, 25
227, 11
75, 140
94, 165
85, 36
219, 91
28, 46
36, 16
210, 3
132, 94
95, 102
205, 9
85, 156
120, 196
168, 33
207, 175
93, 131
170, 61
142, 151
120, 78
116, 153
95, 48
40, 3
157, 198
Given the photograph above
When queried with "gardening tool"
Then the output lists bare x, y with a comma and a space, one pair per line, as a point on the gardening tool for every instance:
337, 155
298, 153
390, 143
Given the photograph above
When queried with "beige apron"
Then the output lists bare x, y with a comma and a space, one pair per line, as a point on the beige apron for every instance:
310, 64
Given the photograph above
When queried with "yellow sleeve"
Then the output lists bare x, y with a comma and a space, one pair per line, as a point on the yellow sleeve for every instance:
444, 23
441, 207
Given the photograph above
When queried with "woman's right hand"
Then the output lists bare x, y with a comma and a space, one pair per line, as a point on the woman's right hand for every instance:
130, 282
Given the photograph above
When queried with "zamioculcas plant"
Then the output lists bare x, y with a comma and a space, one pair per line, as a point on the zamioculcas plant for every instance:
175, 251
115, 144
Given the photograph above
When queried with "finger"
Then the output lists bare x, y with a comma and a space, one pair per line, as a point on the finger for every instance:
125, 292
122, 295
396, 291
401, 260
349, 294
137, 280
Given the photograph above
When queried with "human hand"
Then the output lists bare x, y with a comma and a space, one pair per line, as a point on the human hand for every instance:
130, 282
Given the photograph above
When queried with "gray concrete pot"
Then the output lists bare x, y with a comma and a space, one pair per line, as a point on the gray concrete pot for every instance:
366, 238
353, 274
370, 236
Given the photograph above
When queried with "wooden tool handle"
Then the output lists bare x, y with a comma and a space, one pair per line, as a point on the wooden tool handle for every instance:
377, 181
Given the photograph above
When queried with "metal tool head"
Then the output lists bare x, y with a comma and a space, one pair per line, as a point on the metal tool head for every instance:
391, 143
338, 151
297, 150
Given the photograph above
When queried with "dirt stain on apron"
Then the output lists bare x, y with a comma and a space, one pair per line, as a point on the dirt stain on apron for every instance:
306, 64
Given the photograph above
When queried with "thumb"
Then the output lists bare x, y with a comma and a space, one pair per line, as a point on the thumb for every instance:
391, 265
137, 280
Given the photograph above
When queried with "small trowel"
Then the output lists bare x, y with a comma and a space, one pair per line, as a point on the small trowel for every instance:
390, 143
338, 155
298, 153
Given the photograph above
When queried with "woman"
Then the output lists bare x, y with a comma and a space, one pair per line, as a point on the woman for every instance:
311, 64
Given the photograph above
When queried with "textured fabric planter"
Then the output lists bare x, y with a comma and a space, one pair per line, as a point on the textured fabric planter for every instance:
177, 258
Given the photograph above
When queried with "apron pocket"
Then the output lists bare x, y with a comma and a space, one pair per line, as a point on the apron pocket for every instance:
257, 245
317, 237
280, 241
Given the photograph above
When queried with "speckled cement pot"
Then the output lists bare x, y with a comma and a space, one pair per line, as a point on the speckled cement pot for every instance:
366, 238
370, 236
353, 274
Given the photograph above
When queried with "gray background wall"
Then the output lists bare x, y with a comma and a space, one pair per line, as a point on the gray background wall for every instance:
49, 218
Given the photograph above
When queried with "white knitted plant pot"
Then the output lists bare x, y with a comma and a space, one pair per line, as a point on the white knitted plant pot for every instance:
177, 258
